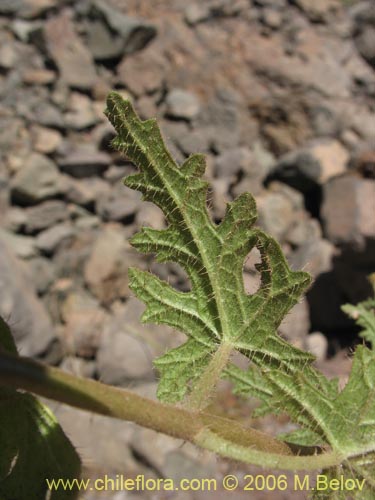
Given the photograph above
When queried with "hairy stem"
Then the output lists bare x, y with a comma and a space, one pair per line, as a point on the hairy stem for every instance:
199, 398
223, 436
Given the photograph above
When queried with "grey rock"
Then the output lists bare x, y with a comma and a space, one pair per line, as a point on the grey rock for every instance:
42, 273
84, 323
348, 210
23, 246
23, 29
45, 140
64, 46
19, 305
182, 104
119, 204
302, 231
272, 18
15, 219
315, 257
197, 13
49, 240
123, 357
27, 8
312, 165
317, 344
81, 113
38, 180
110, 33
11, 6
8, 56
84, 162
233, 162
365, 43
319, 10
194, 141
86, 192
45, 215
295, 326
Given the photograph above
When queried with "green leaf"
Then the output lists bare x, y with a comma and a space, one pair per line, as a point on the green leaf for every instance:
216, 311
364, 315
34, 448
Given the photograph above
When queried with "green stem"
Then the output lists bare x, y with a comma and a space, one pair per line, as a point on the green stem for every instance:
199, 398
223, 436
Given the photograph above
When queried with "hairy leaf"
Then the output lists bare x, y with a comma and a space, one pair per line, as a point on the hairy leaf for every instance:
217, 310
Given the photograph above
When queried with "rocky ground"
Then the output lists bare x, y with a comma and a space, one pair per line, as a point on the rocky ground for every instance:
279, 94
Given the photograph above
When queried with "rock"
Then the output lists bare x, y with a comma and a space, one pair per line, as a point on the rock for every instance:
233, 162
38, 180
23, 29
315, 257
22, 246
49, 240
45, 215
319, 10
42, 273
182, 104
317, 344
143, 73
45, 140
296, 324
8, 56
110, 33
313, 165
15, 219
121, 358
194, 141
222, 116
119, 204
348, 210
105, 271
302, 231
29, 322
277, 211
86, 192
39, 76
78, 366
272, 18
197, 13
365, 43
68, 52
84, 161
81, 112
84, 323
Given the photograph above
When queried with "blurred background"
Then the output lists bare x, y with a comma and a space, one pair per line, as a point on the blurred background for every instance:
279, 95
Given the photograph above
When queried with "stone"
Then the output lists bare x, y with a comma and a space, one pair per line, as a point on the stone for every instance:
315, 257
42, 273
122, 357
119, 204
38, 180
8, 56
45, 140
276, 213
49, 240
14, 219
106, 269
296, 324
182, 104
29, 321
39, 76
110, 33
302, 231
318, 10
365, 43
45, 215
194, 141
196, 13
86, 192
72, 58
233, 162
84, 161
272, 18
84, 323
23, 246
312, 165
317, 344
81, 112
144, 72
348, 210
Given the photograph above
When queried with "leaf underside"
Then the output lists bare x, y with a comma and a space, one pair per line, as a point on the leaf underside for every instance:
217, 311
